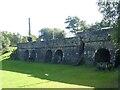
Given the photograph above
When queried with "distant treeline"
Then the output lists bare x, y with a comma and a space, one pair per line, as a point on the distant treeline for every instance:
8, 39
11, 39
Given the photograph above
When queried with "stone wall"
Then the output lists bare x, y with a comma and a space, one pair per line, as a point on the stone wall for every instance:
70, 50
94, 41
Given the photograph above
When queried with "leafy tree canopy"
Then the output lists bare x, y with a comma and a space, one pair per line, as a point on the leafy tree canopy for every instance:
75, 24
48, 33
11, 39
109, 9
111, 12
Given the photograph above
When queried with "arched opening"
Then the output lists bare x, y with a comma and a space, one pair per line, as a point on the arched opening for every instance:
102, 55
48, 56
26, 55
58, 57
117, 58
32, 55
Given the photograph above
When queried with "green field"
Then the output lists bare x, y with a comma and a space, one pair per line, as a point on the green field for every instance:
21, 74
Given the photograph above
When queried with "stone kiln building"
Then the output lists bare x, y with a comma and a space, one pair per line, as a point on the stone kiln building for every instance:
95, 46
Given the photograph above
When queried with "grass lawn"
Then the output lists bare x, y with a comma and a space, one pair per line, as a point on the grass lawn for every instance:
21, 74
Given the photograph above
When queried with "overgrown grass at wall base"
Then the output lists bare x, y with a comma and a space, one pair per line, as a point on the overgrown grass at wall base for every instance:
21, 74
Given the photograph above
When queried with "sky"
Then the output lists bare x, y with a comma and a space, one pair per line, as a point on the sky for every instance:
14, 14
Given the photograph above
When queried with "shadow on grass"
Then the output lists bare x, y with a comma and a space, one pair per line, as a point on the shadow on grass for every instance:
82, 75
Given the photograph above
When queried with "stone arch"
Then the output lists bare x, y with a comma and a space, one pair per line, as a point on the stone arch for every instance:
32, 55
48, 56
58, 56
81, 47
26, 55
102, 55
117, 58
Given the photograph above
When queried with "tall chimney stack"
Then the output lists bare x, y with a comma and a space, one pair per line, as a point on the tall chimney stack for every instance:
29, 27
29, 38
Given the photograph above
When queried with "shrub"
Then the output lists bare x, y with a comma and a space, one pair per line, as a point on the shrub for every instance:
5, 50
13, 54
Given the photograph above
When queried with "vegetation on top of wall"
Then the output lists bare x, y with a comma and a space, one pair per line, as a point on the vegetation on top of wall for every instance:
49, 33
111, 12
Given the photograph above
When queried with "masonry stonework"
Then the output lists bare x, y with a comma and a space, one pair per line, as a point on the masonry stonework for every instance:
88, 47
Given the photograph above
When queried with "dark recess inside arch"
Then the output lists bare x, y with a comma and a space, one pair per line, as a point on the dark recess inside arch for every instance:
117, 58
102, 55
48, 56
58, 56
33, 55
26, 55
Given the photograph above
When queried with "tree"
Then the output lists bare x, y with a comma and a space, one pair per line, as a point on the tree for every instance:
0, 41
48, 33
11, 39
83, 26
98, 25
7, 42
33, 37
111, 13
15, 40
109, 9
58, 33
24, 39
45, 34
104, 23
116, 33
75, 25
95, 27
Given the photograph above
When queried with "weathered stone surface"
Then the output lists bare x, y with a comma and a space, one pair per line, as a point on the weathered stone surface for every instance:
72, 51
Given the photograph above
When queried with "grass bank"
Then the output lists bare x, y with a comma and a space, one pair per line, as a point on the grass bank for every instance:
21, 74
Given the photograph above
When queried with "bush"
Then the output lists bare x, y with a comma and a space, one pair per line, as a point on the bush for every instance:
13, 54
5, 50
